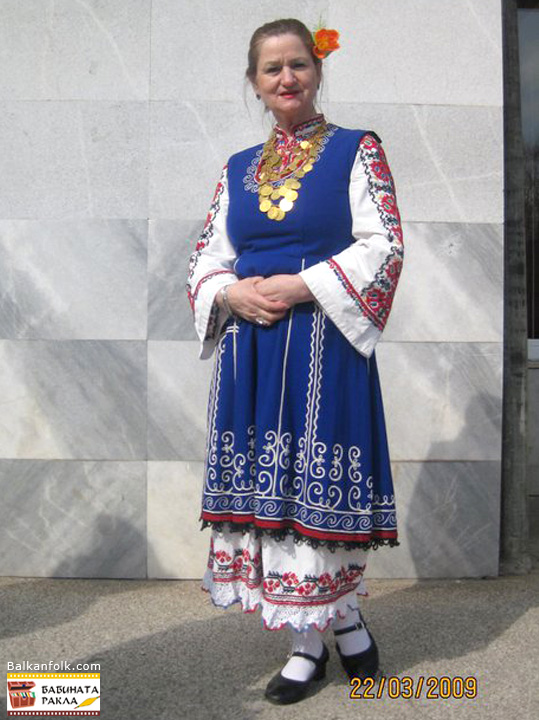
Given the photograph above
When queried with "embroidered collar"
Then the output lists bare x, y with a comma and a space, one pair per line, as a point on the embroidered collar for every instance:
299, 132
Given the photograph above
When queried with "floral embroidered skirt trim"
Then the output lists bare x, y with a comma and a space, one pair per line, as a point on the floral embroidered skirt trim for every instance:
294, 585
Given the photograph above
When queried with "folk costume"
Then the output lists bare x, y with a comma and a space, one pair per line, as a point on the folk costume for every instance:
297, 479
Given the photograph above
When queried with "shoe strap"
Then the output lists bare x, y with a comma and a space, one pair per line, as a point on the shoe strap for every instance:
356, 626
315, 660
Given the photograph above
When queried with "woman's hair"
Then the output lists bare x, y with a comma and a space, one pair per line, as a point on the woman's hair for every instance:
272, 29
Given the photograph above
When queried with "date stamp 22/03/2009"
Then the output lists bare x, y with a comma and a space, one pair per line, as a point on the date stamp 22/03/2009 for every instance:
431, 688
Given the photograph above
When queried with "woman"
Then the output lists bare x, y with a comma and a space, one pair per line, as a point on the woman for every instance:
291, 283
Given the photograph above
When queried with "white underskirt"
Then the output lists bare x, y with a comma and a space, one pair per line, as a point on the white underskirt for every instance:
292, 584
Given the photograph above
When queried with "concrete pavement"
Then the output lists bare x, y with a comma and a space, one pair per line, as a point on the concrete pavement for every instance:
167, 653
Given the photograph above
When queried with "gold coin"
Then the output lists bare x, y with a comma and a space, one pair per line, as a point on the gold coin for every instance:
265, 205
291, 195
273, 212
305, 144
286, 205
265, 190
275, 195
292, 184
280, 215
300, 173
282, 190
307, 167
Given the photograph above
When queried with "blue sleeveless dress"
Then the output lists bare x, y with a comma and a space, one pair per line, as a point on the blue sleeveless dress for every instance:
296, 433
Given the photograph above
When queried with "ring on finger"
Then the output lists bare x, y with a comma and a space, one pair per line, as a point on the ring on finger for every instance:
260, 321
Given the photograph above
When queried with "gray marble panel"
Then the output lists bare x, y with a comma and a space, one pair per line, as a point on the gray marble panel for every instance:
178, 388
199, 52
448, 515
83, 399
73, 279
447, 162
451, 286
176, 546
171, 243
421, 52
533, 431
442, 400
74, 160
87, 49
73, 519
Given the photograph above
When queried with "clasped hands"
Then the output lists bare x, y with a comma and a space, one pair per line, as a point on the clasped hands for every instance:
266, 300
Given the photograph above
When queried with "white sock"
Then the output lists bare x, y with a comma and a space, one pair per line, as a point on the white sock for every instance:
355, 641
308, 641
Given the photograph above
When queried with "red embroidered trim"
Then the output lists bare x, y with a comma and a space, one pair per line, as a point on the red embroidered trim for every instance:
204, 279
279, 524
375, 300
204, 239
327, 586
350, 289
282, 625
282, 588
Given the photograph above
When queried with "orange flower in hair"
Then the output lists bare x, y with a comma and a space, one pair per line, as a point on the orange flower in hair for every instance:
325, 42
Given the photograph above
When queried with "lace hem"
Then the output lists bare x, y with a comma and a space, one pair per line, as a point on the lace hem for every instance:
276, 617
280, 534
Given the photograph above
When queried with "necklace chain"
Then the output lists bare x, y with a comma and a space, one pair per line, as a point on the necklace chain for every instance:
275, 201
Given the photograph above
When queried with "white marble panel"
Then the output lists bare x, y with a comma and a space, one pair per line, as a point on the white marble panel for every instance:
74, 160
447, 162
176, 546
73, 519
178, 388
448, 514
442, 400
191, 142
74, 399
199, 50
421, 52
171, 243
451, 286
73, 279
87, 49
533, 431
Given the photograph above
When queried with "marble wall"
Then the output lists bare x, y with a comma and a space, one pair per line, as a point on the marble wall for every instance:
117, 118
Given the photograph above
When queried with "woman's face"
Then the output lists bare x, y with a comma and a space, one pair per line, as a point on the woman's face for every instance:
287, 79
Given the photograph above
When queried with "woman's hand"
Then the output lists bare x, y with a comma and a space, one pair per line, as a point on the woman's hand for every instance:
246, 301
288, 289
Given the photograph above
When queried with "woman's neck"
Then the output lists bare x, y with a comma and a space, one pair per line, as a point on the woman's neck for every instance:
287, 124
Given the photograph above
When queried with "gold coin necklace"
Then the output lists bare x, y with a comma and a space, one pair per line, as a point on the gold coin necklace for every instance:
273, 201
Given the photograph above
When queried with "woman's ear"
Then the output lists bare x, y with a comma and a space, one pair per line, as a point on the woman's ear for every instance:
255, 89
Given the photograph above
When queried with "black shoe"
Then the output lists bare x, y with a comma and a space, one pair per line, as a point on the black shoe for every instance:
284, 691
361, 665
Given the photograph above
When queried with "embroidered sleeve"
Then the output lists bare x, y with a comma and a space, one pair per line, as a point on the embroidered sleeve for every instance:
356, 286
211, 268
